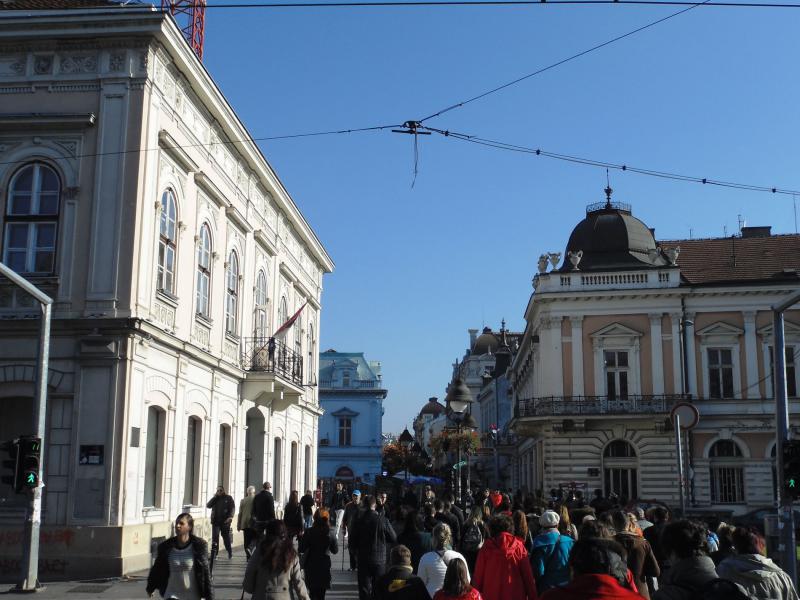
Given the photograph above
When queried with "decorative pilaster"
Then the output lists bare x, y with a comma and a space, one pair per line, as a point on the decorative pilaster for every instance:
576, 324
677, 361
751, 387
657, 354
691, 354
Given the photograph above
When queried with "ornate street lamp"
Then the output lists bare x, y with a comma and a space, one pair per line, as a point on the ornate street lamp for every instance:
459, 400
406, 441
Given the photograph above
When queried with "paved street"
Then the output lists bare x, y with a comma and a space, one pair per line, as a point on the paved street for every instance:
227, 584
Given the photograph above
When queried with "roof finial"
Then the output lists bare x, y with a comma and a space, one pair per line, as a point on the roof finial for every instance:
608, 191
503, 325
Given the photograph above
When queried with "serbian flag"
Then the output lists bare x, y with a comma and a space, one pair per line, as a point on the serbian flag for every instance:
290, 322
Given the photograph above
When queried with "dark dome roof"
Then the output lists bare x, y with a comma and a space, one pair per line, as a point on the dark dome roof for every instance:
487, 342
610, 237
432, 407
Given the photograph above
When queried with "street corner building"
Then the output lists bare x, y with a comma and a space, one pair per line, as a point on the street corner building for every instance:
173, 256
625, 327
351, 392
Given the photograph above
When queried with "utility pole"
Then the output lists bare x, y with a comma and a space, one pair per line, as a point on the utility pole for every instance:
783, 433
30, 542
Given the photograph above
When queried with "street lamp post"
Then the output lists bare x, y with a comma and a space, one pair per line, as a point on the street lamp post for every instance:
406, 441
458, 400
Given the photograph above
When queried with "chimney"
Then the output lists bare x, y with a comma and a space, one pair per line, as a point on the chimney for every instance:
473, 335
757, 232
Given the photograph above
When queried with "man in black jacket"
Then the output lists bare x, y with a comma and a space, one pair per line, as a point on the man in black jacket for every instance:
399, 582
369, 537
263, 508
337, 503
222, 510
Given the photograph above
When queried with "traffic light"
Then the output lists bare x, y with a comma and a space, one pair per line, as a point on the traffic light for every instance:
10, 462
30, 452
791, 469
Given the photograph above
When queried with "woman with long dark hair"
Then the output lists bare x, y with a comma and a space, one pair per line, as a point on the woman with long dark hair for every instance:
293, 515
456, 584
181, 568
317, 545
273, 571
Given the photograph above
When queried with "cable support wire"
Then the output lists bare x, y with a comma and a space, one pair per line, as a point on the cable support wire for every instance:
252, 140
607, 165
564, 61
445, 3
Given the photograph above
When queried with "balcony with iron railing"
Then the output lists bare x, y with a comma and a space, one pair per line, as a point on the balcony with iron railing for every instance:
589, 406
274, 372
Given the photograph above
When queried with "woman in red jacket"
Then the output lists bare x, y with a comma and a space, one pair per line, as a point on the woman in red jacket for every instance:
456, 584
503, 571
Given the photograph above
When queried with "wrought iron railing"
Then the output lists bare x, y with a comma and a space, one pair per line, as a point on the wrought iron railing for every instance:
606, 205
596, 405
356, 384
272, 356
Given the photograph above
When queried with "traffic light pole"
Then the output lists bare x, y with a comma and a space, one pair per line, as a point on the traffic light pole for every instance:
30, 543
783, 433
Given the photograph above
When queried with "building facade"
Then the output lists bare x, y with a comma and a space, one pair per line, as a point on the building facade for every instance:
626, 327
172, 252
351, 393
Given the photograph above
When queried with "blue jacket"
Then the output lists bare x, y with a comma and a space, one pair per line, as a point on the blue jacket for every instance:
549, 559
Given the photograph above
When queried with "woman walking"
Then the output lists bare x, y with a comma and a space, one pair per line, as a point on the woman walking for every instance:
521, 530
317, 545
503, 571
456, 584
475, 535
293, 515
433, 566
274, 568
641, 560
181, 568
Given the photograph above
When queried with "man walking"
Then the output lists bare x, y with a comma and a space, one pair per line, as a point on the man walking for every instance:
222, 509
263, 508
337, 504
244, 521
350, 517
369, 538
307, 502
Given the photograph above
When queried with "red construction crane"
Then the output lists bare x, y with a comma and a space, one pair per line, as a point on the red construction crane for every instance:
195, 11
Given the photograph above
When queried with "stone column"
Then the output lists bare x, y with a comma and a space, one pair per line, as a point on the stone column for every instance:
576, 324
656, 351
690, 353
677, 362
751, 387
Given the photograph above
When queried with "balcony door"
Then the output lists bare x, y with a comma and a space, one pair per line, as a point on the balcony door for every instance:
620, 470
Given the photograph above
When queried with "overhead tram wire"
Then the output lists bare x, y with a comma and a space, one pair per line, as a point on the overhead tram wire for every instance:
454, 3
564, 60
500, 145
219, 142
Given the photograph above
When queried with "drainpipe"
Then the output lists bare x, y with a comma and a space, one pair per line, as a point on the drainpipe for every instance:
685, 379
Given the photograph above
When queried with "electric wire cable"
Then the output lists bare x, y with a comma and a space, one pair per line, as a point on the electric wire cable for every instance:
606, 164
219, 142
440, 3
563, 61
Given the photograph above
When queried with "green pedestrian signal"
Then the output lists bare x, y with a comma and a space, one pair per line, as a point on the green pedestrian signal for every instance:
30, 479
791, 469
791, 482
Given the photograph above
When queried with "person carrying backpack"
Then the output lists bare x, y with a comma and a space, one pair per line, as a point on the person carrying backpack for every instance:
550, 554
433, 565
692, 575
474, 535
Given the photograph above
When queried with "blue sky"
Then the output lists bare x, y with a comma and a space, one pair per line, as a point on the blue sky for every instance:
711, 93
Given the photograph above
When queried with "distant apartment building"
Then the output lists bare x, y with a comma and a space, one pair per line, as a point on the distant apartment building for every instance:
627, 326
351, 394
173, 252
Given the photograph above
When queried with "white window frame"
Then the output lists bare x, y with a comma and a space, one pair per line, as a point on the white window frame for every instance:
232, 294
792, 340
721, 367
203, 261
261, 302
723, 336
168, 242
341, 428
32, 219
617, 338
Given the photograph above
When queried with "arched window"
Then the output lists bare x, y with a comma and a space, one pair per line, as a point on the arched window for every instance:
621, 470
154, 457
203, 271
298, 336
224, 457
283, 312
260, 317
34, 198
311, 344
727, 472
231, 293
167, 243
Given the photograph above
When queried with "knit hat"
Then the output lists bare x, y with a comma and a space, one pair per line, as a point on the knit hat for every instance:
400, 556
549, 519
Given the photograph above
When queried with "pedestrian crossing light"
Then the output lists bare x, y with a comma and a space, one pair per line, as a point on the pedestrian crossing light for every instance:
10, 463
30, 449
791, 469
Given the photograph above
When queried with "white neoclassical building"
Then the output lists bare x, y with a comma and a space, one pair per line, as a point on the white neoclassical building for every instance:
131, 194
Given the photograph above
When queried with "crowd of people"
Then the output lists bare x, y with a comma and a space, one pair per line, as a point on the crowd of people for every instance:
506, 547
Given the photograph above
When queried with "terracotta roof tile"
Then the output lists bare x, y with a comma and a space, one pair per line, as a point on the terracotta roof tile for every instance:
731, 260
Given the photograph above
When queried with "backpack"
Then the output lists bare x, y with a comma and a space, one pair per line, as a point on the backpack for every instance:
472, 541
716, 589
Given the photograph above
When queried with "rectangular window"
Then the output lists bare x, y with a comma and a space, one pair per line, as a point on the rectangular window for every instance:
720, 373
727, 485
791, 374
616, 364
192, 462
345, 432
154, 453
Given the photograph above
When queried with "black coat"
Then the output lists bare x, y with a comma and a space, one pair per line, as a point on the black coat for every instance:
339, 499
418, 542
399, 583
293, 517
370, 536
264, 506
317, 545
222, 508
159, 572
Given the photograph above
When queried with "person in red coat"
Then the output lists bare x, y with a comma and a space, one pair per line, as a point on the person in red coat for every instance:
456, 584
599, 572
503, 571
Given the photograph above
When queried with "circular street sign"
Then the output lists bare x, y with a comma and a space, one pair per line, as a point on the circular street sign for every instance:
687, 412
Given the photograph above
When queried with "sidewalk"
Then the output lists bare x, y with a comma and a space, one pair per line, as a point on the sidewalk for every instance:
228, 576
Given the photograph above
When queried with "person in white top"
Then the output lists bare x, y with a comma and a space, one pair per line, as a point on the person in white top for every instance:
433, 565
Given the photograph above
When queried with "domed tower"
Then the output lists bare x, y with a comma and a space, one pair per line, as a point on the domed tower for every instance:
486, 343
611, 238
